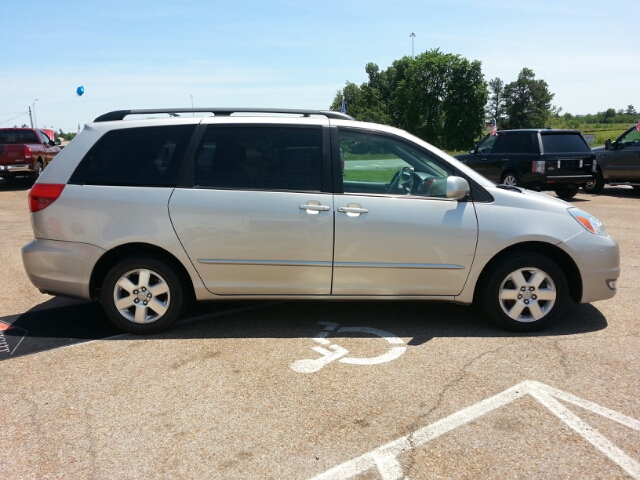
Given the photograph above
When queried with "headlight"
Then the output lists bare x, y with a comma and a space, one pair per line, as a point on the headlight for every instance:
588, 221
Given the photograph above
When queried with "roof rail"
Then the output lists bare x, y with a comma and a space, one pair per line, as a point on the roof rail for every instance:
121, 114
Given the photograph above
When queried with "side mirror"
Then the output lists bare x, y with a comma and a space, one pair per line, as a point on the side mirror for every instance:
472, 151
607, 144
457, 188
407, 174
57, 142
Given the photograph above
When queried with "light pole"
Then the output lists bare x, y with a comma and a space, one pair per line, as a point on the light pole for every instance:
192, 114
413, 35
34, 112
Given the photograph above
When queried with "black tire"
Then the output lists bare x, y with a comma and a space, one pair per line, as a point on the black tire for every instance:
39, 169
511, 178
538, 286
596, 185
150, 280
567, 190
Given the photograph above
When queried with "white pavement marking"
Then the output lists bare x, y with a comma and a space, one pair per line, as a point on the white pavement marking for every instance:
385, 460
335, 352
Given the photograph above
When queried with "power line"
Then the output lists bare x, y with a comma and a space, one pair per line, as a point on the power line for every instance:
24, 113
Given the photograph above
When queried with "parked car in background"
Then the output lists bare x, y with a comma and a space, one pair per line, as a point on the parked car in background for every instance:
540, 159
618, 162
25, 151
145, 214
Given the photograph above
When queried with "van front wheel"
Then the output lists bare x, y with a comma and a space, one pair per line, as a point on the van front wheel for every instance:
525, 292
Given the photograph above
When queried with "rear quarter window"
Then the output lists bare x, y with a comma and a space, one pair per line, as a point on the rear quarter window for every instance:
146, 156
564, 143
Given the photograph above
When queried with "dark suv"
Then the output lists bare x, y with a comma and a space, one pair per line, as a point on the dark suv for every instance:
540, 159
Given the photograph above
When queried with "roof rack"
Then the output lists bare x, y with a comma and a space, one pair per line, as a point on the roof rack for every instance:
121, 114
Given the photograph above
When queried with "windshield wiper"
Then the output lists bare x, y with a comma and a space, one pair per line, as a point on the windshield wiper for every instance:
508, 187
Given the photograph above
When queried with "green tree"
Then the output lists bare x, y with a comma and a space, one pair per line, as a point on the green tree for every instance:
527, 101
631, 110
437, 97
495, 107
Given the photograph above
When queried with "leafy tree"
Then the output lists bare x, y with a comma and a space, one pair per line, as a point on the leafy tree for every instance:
495, 107
527, 101
437, 97
630, 110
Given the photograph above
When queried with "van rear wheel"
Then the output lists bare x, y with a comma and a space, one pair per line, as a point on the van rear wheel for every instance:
142, 295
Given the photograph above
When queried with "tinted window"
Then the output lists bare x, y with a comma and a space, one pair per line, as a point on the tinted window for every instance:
486, 144
564, 143
18, 136
630, 139
265, 158
147, 156
380, 164
516, 142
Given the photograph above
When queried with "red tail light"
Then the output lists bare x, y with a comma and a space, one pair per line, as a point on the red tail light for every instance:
44, 194
27, 153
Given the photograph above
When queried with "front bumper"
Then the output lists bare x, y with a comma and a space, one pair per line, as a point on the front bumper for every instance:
61, 268
598, 259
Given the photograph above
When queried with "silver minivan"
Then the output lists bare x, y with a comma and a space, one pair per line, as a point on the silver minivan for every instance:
145, 214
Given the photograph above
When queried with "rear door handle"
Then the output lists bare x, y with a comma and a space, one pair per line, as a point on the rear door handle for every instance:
315, 209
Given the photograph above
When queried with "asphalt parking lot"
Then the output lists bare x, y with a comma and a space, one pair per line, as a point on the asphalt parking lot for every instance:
327, 390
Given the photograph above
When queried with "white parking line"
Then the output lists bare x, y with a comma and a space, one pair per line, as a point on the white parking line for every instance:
385, 460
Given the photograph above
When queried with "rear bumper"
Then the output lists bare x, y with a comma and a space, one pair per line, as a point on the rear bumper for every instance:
18, 167
61, 268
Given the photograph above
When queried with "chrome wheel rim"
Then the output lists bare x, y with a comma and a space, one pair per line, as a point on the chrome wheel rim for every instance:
141, 296
590, 184
527, 294
510, 180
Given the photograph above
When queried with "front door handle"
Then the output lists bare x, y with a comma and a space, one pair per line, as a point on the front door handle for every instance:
352, 211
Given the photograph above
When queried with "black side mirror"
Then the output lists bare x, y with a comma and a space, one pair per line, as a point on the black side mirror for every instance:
407, 174
607, 144
57, 142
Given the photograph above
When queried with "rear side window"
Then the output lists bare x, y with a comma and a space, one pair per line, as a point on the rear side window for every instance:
564, 143
516, 142
263, 158
146, 156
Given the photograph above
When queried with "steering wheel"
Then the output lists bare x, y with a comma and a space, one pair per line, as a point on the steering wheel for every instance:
395, 182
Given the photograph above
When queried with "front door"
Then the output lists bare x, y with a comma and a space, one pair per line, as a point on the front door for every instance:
395, 232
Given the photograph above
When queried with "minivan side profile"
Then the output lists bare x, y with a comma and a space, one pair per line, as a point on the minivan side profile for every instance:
147, 214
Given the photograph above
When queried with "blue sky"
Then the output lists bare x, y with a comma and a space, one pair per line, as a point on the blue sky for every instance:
296, 54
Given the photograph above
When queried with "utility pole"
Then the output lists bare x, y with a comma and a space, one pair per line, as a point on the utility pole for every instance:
35, 119
30, 117
413, 35
192, 114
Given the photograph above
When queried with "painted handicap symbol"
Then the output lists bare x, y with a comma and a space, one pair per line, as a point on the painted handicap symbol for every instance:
334, 352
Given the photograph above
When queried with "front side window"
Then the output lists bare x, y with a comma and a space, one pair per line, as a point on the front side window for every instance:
486, 144
380, 164
631, 139
146, 156
262, 158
